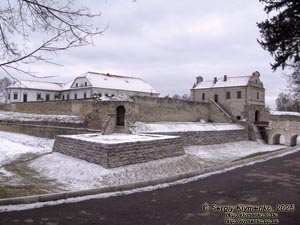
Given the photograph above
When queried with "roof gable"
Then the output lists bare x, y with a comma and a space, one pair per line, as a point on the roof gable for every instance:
239, 81
37, 85
108, 81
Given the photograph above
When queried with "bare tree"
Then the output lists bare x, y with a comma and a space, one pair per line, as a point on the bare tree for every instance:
58, 24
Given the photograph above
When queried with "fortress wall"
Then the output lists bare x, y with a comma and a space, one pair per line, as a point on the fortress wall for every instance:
101, 115
70, 107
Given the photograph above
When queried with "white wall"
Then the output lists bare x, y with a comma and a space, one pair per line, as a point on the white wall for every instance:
31, 94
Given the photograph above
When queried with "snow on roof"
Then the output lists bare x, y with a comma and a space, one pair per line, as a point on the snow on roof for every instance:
230, 82
284, 113
40, 85
98, 80
126, 83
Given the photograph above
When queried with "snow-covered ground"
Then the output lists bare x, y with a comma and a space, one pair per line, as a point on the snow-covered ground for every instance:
76, 174
14, 145
17, 116
118, 138
161, 127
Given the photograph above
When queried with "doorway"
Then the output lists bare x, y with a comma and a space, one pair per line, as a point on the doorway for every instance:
121, 116
24, 97
257, 116
216, 98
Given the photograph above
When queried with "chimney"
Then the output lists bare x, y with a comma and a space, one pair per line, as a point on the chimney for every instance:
215, 80
199, 79
225, 78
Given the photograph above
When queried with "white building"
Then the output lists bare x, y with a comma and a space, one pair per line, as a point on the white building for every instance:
82, 87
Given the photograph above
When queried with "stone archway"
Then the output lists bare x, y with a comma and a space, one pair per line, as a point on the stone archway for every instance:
257, 116
120, 116
276, 139
293, 140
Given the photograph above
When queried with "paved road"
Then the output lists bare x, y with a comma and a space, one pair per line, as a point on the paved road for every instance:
273, 182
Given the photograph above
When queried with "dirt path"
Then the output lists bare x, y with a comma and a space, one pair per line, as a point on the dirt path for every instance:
20, 180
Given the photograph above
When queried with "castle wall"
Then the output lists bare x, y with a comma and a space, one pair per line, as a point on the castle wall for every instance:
101, 115
71, 107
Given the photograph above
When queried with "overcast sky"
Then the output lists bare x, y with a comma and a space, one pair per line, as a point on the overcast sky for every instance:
168, 43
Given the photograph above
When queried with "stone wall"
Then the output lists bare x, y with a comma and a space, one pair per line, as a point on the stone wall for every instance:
102, 115
70, 107
149, 109
210, 137
46, 131
115, 155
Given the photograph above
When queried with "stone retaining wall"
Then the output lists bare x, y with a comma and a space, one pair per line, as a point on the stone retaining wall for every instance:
115, 155
210, 137
42, 130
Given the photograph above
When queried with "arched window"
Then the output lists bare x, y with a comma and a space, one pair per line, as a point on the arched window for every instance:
121, 116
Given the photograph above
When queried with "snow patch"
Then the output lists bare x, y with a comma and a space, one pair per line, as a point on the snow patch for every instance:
117, 138
17, 116
284, 113
161, 127
75, 174
13, 145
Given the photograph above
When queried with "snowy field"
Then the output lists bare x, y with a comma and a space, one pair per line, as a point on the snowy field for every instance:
161, 127
75, 174
17, 116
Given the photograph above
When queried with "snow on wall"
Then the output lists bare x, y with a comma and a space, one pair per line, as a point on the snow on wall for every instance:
17, 116
284, 113
161, 127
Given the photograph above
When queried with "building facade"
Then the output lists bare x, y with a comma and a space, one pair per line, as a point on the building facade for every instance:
86, 86
243, 97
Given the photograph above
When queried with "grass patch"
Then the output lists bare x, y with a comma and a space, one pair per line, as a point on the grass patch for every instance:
257, 154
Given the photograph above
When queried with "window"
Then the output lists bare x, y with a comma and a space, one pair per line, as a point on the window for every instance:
68, 96
75, 96
238, 94
85, 83
257, 95
84, 95
56, 96
76, 84
106, 95
203, 96
38, 96
8, 97
47, 97
227, 94
238, 117
63, 97
15, 95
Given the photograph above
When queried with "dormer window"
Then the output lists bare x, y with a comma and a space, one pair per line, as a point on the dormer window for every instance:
85, 83
76, 84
